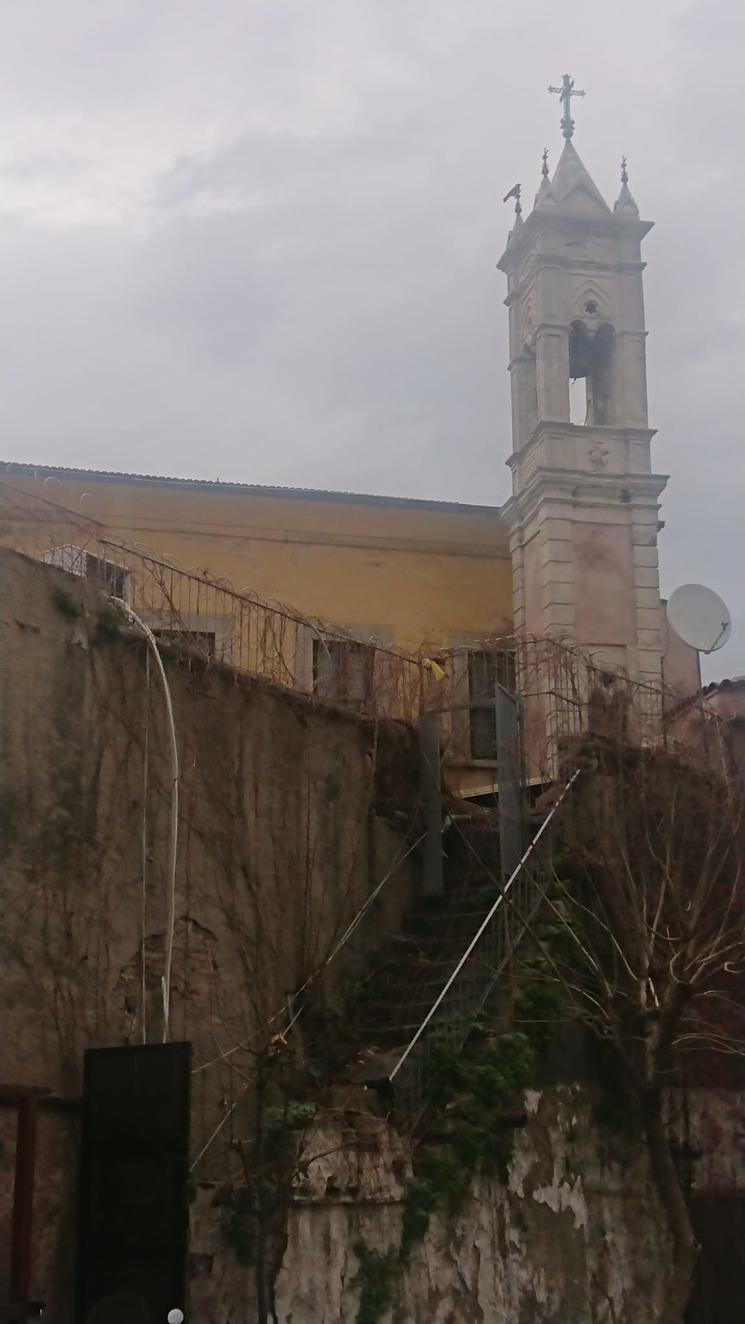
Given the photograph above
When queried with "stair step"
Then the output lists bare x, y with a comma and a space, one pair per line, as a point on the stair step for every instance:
415, 1009
447, 902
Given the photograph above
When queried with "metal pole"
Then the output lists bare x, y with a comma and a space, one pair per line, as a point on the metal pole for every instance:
23, 1200
429, 736
483, 926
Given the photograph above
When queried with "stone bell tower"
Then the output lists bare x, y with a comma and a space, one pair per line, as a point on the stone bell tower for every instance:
583, 515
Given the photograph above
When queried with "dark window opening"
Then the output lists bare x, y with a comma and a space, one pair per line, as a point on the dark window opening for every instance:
343, 672
591, 362
487, 669
106, 574
203, 640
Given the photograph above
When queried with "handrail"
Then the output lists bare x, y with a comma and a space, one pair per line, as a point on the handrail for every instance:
484, 925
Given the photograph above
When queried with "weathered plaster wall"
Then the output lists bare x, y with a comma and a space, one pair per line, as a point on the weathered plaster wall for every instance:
681, 666
604, 587
573, 1233
282, 837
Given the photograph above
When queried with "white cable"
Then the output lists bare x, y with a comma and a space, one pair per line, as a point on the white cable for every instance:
484, 925
312, 977
218, 1129
143, 896
173, 834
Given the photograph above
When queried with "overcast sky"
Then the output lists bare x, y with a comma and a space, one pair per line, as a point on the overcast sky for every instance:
257, 241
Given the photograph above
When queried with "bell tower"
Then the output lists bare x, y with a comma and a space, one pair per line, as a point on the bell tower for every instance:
584, 512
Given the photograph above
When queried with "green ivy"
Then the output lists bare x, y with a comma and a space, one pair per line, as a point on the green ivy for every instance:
470, 1091
65, 603
467, 1135
108, 623
238, 1218
282, 1123
377, 1277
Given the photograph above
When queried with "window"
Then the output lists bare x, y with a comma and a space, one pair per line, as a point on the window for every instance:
106, 574
202, 640
343, 672
487, 668
103, 573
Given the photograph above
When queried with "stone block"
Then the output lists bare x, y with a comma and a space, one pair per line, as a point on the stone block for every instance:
650, 639
646, 576
644, 535
647, 597
559, 613
555, 591
560, 572
646, 556
646, 514
649, 664
648, 618
557, 549
557, 528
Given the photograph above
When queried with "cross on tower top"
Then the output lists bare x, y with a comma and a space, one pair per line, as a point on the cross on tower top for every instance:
565, 94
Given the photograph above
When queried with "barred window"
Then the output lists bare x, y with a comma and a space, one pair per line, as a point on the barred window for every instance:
103, 573
343, 672
487, 668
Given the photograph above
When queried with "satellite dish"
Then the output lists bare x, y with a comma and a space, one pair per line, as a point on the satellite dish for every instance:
700, 617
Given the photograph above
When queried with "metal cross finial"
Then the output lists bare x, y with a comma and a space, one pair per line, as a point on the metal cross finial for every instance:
565, 94
514, 193
624, 171
544, 167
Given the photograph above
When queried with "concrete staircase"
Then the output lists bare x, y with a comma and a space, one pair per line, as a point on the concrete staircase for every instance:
394, 1018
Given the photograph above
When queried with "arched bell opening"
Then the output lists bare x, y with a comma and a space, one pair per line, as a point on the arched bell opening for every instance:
590, 374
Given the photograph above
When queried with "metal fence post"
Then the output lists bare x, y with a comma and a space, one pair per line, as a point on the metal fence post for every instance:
429, 738
509, 780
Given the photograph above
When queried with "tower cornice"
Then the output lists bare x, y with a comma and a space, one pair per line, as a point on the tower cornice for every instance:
548, 430
544, 220
554, 492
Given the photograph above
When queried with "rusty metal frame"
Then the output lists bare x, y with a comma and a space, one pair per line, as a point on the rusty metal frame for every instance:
25, 1099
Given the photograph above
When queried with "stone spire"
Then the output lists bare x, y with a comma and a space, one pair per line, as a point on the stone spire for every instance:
572, 187
625, 204
544, 194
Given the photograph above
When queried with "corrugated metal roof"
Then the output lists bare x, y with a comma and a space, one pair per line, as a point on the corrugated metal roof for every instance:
9, 467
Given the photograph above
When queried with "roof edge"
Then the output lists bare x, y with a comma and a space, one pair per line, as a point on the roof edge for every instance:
10, 467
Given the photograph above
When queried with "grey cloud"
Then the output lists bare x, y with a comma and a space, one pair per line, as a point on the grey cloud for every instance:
299, 284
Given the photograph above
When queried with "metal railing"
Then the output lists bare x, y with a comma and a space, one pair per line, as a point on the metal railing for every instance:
562, 688
468, 989
213, 619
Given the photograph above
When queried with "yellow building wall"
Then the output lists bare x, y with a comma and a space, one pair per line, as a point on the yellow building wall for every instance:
412, 575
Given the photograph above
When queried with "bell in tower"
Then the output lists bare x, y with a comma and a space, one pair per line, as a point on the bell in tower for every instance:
584, 513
